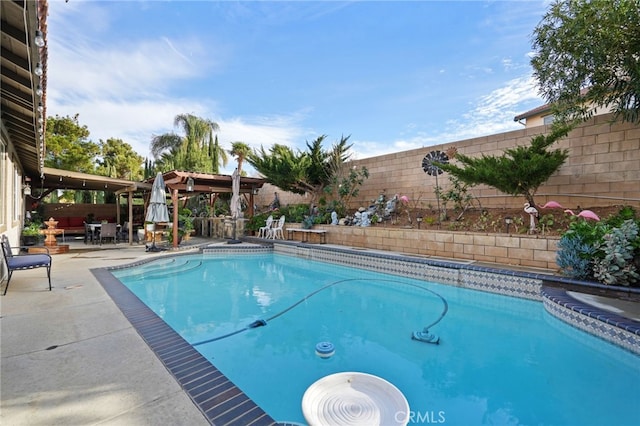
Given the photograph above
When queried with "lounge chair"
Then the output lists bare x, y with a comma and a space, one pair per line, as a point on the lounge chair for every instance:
265, 231
23, 262
277, 231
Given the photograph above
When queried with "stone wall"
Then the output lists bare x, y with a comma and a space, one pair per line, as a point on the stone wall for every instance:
505, 249
603, 168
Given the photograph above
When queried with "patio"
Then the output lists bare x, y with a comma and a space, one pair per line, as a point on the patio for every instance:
69, 356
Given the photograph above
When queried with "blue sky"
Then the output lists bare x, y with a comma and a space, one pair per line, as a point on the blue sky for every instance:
393, 75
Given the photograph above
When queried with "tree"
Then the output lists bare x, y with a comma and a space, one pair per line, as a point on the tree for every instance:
300, 172
119, 160
241, 151
193, 151
217, 154
587, 55
519, 171
68, 147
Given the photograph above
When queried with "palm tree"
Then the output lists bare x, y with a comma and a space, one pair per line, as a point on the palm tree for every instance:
241, 151
191, 151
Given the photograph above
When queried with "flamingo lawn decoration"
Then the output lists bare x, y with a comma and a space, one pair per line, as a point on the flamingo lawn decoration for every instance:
533, 213
586, 214
552, 205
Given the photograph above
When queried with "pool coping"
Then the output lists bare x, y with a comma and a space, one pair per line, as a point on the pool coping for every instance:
221, 402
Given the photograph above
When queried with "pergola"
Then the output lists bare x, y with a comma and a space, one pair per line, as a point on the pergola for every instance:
187, 184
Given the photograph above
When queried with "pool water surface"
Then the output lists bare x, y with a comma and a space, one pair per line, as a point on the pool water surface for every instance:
500, 360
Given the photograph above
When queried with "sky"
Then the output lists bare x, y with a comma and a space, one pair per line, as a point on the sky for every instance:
394, 76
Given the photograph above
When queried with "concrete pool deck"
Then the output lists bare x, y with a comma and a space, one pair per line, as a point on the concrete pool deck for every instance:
70, 357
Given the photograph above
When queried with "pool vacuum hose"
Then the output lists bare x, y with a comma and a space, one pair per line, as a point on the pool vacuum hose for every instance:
423, 336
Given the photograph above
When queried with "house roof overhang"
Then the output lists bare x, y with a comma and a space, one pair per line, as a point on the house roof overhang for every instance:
65, 179
19, 101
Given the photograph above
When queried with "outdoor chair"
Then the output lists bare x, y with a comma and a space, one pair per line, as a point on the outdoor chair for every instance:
278, 230
264, 231
23, 262
88, 233
109, 230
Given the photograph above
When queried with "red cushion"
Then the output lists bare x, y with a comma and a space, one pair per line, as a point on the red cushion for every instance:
76, 222
63, 222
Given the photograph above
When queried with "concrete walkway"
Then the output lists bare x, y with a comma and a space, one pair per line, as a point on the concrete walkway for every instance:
69, 357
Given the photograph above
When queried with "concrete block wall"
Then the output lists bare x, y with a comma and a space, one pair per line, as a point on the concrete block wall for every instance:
603, 168
532, 251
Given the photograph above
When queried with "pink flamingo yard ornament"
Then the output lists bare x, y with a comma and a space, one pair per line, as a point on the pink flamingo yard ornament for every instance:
552, 205
585, 214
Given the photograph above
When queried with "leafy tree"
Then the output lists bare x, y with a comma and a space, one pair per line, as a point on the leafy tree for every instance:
587, 55
302, 171
119, 160
519, 171
345, 184
193, 151
68, 147
217, 155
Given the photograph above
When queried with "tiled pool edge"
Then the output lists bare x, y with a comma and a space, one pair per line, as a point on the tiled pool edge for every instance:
608, 326
220, 401
613, 328
206, 385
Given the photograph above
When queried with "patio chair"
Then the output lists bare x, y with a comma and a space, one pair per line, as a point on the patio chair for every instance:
23, 262
109, 230
265, 230
278, 230
88, 233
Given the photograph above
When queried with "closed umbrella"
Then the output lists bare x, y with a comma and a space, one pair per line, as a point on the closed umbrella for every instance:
235, 202
157, 212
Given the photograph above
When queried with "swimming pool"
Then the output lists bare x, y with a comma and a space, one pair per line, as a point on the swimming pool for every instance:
500, 359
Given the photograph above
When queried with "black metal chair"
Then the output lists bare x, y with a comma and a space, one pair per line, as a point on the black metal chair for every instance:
23, 262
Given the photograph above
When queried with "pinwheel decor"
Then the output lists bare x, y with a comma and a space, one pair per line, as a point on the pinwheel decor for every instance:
434, 157
433, 170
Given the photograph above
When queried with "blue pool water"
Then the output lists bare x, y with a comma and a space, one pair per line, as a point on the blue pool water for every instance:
500, 360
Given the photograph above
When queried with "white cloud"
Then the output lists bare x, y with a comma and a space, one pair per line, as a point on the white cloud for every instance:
491, 114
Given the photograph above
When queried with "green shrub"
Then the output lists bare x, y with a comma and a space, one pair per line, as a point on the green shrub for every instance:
607, 251
615, 266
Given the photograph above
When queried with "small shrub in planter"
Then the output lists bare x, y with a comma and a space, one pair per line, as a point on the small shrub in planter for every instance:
31, 234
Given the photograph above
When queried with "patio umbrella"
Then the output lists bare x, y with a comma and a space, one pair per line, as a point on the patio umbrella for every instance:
235, 202
157, 212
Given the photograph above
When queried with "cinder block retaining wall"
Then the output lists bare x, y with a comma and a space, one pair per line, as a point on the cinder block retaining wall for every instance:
603, 168
518, 250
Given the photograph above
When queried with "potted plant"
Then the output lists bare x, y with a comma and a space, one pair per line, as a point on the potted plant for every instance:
31, 234
185, 223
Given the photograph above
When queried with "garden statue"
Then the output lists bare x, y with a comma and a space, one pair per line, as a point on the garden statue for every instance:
364, 219
533, 213
334, 218
357, 218
275, 204
390, 207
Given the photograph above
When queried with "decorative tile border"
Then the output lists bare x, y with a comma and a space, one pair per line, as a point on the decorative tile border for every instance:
461, 274
608, 326
613, 328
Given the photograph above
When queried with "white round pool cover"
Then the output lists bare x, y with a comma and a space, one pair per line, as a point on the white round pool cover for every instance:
352, 398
